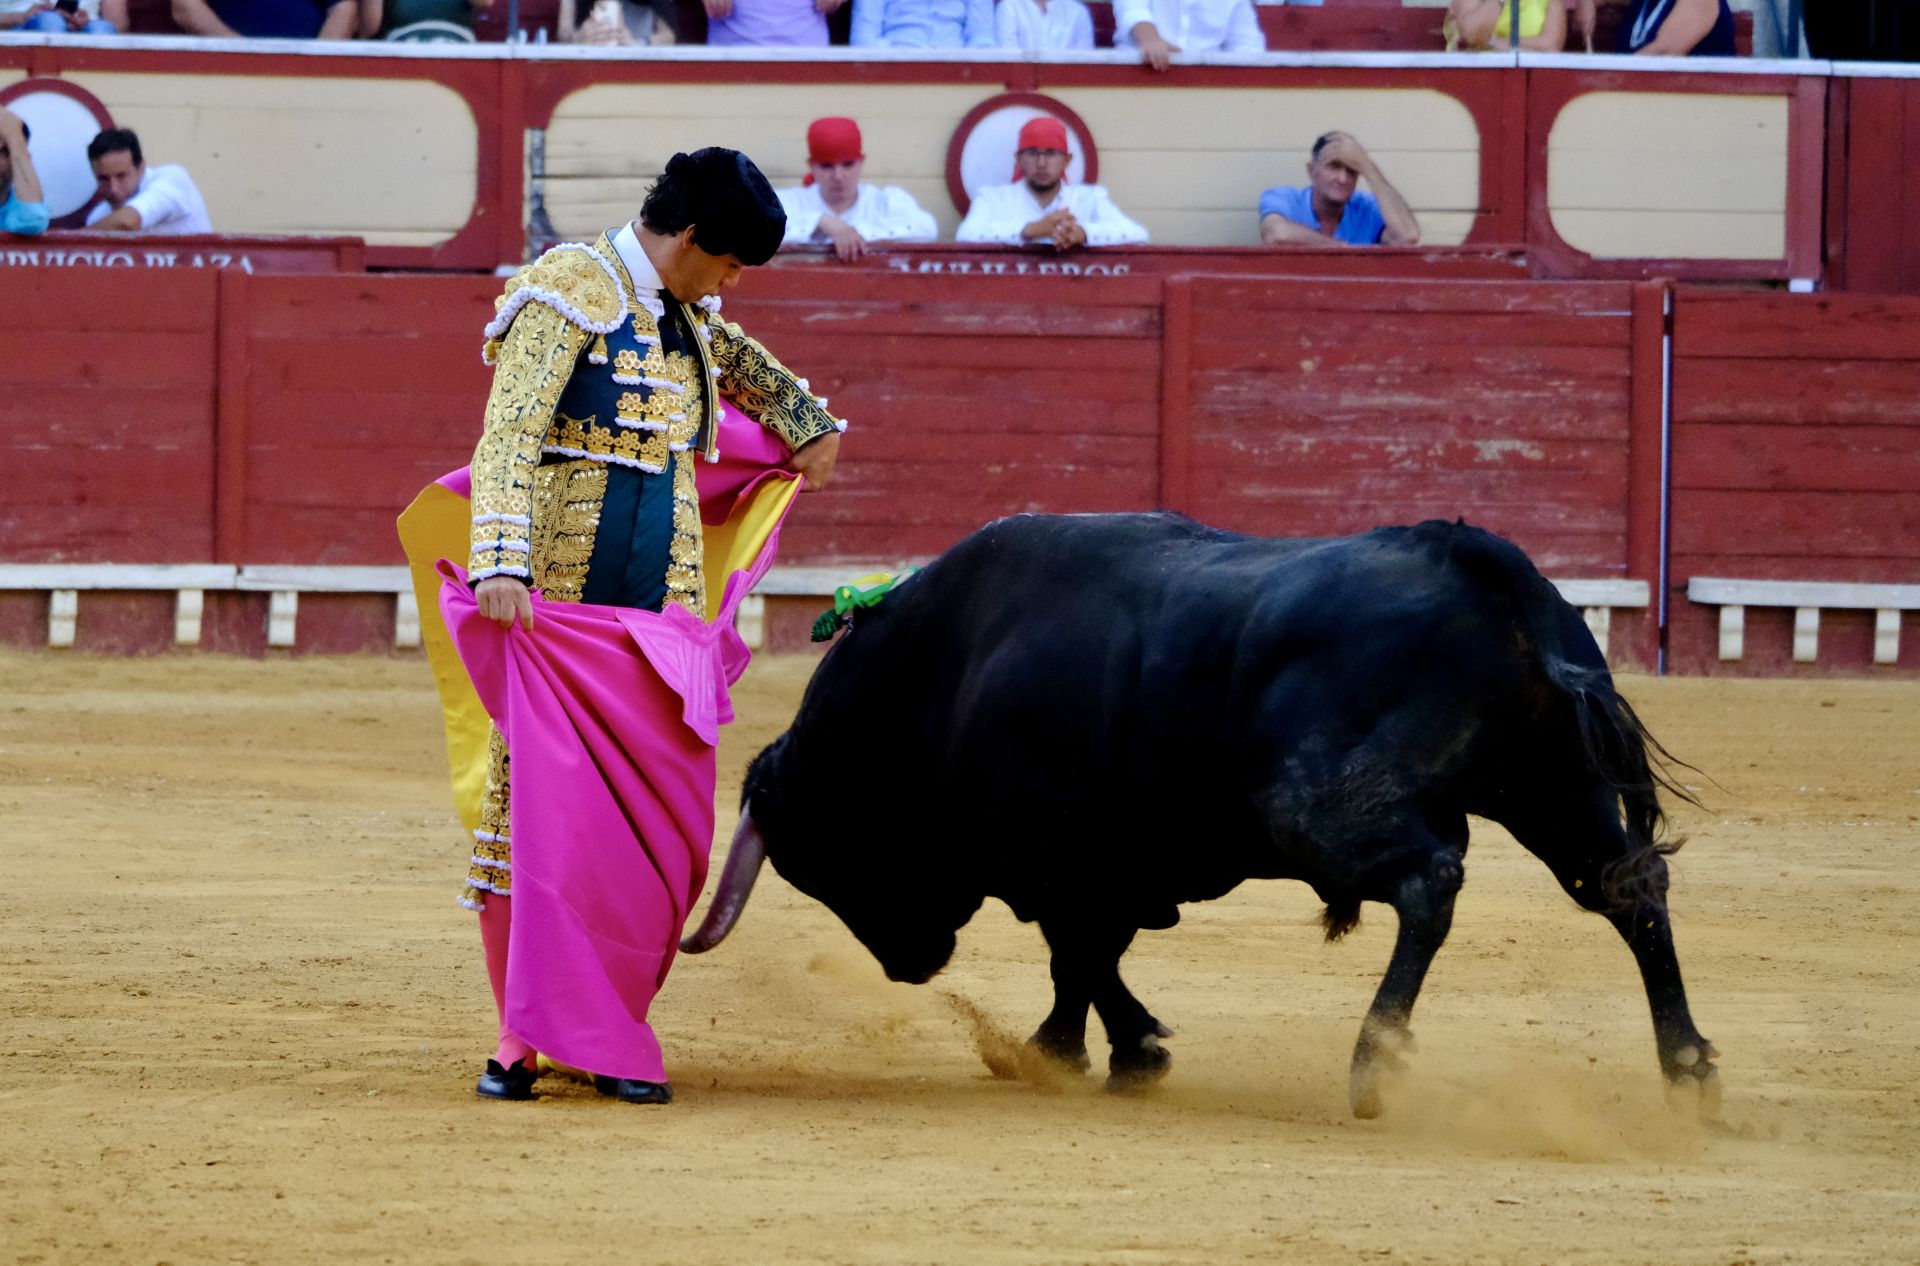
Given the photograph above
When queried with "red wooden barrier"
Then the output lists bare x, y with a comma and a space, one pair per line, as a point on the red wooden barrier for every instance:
180, 416
1327, 407
1796, 456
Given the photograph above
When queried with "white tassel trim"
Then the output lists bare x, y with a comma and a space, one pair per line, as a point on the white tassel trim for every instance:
605, 457
595, 358
714, 456
517, 520
553, 299
664, 384
840, 424
478, 907
484, 886
639, 424
489, 863
505, 545
803, 384
489, 837
711, 303
627, 380
487, 573
674, 447
821, 401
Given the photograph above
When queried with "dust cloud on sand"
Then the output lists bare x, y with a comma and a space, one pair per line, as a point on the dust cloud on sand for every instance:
242, 1019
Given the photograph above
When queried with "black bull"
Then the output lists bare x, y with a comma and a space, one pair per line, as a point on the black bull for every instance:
1096, 718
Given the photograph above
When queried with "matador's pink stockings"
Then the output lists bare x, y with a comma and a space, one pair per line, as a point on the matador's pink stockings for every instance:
495, 918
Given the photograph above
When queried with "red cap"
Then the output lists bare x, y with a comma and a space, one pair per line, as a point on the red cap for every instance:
832, 141
1041, 132
1044, 132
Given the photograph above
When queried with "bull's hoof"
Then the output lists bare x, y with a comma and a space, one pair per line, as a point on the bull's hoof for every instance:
1138, 1068
1066, 1053
1377, 1057
1693, 1081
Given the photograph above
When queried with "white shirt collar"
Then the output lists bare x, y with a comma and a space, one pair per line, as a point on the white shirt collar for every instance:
646, 278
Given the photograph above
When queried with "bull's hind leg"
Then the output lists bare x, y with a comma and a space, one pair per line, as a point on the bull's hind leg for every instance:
1423, 899
1587, 850
1086, 971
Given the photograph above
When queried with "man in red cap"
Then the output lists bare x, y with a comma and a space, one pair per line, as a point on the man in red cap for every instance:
833, 206
1040, 206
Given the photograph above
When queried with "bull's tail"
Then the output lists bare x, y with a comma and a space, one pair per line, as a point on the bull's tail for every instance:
1615, 747
1621, 753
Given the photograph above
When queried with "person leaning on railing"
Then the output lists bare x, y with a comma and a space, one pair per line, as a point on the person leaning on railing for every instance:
23, 206
1675, 28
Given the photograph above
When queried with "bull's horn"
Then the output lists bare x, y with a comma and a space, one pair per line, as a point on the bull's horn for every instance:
736, 881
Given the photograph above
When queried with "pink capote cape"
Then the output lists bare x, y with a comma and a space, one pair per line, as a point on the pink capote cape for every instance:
612, 716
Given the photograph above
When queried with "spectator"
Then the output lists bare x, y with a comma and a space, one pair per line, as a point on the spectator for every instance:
619, 22
1677, 28
1480, 25
142, 199
1161, 28
84, 17
268, 19
23, 205
1039, 206
422, 21
1034, 26
833, 206
769, 23
922, 24
1330, 209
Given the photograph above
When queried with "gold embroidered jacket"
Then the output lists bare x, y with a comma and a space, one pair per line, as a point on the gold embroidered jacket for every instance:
535, 522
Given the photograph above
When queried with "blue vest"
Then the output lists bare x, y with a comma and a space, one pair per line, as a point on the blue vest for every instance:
639, 413
1645, 18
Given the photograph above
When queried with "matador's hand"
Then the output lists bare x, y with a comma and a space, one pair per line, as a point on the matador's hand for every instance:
504, 600
814, 461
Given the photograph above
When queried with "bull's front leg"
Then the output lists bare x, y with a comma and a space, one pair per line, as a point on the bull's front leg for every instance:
1424, 902
1086, 972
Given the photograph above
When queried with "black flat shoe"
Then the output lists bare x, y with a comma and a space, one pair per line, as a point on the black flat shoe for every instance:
633, 1090
505, 1083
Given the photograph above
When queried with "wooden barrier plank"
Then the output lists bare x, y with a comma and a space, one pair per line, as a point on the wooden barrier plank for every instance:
1834, 458
1320, 294
1386, 329
1312, 348
175, 360
1801, 390
1785, 524
1521, 411
1752, 326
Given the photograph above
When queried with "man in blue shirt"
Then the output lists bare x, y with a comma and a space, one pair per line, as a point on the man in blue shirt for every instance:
1330, 208
23, 207
922, 24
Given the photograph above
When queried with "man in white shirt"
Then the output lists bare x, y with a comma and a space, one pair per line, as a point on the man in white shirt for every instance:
1040, 206
833, 206
139, 198
1161, 28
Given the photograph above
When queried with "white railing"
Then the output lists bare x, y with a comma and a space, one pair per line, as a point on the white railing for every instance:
190, 583
1807, 598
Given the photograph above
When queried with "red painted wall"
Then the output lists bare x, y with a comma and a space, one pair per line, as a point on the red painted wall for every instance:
1796, 456
183, 416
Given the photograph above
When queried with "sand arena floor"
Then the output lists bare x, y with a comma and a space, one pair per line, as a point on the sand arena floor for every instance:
243, 1017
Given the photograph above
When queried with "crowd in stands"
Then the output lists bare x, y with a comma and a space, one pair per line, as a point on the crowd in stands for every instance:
1159, 30
1039, 206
